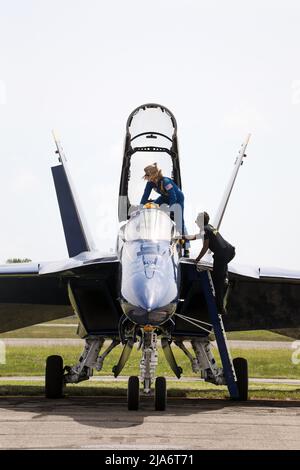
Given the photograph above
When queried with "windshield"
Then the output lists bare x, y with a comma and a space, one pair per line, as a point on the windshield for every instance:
149, 224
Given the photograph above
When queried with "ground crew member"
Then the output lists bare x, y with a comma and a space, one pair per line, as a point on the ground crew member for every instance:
170, 193
223, 253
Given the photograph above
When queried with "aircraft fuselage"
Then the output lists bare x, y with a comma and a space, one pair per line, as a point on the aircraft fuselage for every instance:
149, 261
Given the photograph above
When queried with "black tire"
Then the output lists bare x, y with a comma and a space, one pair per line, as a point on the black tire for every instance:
54, 377
133, 393
160, 394
241, 369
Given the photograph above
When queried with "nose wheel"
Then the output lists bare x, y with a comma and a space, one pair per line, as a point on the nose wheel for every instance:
160, 394
133, 393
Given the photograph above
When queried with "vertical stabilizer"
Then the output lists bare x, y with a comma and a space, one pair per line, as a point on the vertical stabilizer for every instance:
77, 235
237, 164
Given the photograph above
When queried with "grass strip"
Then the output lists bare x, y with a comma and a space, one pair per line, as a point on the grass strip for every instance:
175, 389
263, 363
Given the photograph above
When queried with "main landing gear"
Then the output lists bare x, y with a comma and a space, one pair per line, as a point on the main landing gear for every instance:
54, 378
57, 375
133, 393
241, 371
160, 401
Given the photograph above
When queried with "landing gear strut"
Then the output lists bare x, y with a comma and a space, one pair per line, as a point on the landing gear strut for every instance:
149, 359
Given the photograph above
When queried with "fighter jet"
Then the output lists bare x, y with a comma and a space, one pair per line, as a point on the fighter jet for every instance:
147, 290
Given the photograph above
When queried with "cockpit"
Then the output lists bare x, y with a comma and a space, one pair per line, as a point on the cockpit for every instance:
149, 224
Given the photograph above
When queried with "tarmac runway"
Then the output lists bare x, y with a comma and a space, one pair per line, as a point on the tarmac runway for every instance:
105, 423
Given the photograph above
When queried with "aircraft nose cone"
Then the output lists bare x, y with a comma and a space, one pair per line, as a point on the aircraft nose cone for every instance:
148, 282
153, 295
150, 294
149, 300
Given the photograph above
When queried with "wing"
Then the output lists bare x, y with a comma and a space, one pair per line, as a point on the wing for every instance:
27, 298
263, 298
35, 293
87, 282
258, 299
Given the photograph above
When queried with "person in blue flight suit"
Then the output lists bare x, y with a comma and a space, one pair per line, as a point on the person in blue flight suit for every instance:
170, 193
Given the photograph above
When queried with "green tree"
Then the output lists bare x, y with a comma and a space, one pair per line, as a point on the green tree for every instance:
18, 260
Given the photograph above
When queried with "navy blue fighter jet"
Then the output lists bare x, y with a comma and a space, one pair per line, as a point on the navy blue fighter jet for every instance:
147, 290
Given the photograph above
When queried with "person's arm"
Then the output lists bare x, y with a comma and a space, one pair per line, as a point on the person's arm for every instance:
188, 237
197, 236
203, 251
147, 192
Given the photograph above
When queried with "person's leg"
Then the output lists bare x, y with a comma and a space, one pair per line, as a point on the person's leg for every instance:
229, 256
226, 288
187, 244
218, 276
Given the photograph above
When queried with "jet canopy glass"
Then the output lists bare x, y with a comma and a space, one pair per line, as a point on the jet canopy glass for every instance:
149, 224
151, 137
151, 125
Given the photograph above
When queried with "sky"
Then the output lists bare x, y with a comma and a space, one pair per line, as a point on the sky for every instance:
80, 67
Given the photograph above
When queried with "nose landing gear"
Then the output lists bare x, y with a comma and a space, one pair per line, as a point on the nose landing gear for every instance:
147, 367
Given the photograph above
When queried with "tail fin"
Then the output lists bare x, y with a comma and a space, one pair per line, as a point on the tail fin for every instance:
238, 162
77, 235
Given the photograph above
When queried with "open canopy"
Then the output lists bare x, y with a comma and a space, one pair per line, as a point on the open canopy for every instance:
151, 136
151, 125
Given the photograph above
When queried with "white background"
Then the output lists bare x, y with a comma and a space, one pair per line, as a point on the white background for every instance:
223, 68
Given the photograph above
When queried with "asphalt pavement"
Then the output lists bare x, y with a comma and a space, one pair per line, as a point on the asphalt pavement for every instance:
105, 423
